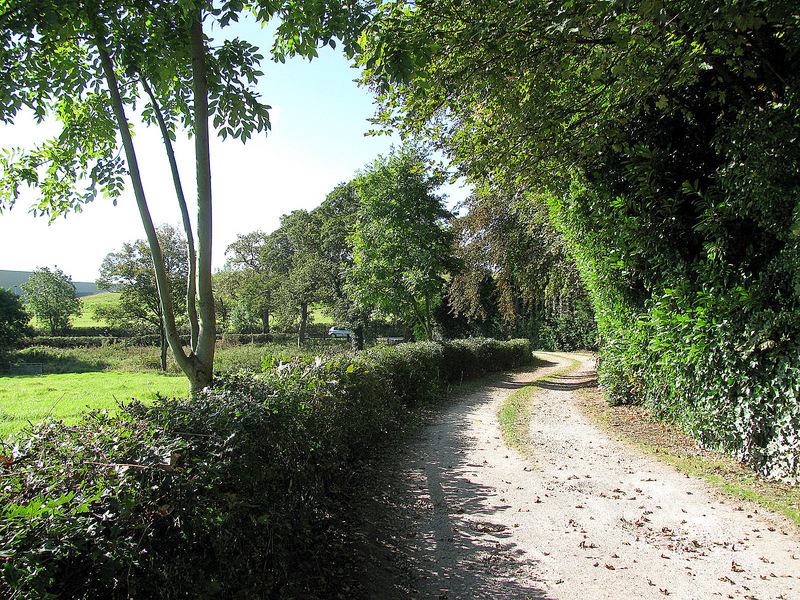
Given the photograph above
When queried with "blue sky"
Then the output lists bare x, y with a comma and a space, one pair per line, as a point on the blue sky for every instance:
319, 118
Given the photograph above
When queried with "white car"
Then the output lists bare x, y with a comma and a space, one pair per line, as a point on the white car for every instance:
339, 332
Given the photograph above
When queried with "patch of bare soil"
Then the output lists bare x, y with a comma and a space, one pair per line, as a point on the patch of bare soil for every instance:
459, 515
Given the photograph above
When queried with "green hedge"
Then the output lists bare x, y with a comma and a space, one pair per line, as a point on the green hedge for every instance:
223, 496
90, 341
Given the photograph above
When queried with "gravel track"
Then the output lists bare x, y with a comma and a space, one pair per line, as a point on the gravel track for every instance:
460, 516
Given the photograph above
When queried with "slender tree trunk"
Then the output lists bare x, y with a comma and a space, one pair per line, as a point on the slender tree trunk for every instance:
427, 319
198, 365
164, 347
162, 281
265, 322
357, 339
420, 317
191, 284
203, 355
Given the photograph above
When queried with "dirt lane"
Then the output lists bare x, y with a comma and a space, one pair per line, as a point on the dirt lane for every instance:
462, 517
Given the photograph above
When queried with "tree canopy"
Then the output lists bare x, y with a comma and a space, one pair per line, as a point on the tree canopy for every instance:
13, 321
401, 243
90, 64
130, 272
534, 89
662, 137
515, 267
253, 273
51, 296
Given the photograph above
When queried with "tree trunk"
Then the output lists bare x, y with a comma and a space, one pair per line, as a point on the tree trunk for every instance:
198, 365
420, 316
162, 282
164, 347
223, 313
301, 331
427, 319
202, 357
191, 283
357, 339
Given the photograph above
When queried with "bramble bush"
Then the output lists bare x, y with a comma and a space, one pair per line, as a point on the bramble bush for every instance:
222, 496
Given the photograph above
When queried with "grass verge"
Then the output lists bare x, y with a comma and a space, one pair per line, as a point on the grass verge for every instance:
66, 396
666, 442
634, 426
514, 416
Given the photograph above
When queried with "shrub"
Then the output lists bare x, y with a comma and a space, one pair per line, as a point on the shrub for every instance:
422, 370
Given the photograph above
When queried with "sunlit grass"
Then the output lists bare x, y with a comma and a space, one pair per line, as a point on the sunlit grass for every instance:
89, 303
65, 396
78, 379
319, 316
86, 318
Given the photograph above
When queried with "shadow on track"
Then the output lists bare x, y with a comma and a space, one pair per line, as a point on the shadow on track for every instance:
432, 529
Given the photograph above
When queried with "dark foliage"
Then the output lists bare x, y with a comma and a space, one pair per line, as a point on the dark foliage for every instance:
13, 322
688, 235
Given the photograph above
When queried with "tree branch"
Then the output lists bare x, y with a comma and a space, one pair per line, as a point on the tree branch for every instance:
141, 201
191, 285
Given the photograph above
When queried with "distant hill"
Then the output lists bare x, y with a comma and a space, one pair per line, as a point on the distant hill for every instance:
14, 279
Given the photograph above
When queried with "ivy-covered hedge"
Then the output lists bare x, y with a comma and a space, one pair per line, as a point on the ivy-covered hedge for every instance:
687, 232
222, 496
731, 375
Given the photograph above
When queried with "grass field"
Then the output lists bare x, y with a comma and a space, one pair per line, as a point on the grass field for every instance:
76, 379
319, 317
65, 396
89, 303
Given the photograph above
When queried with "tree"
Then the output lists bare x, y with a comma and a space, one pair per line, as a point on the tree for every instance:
530, 91
308, 275
401, 246
227, 284
87, 62
13, 321
304, 261
252, 279
514, 261
281, 272
663, 136
337, 215
112, 52
131, 273
51, 296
